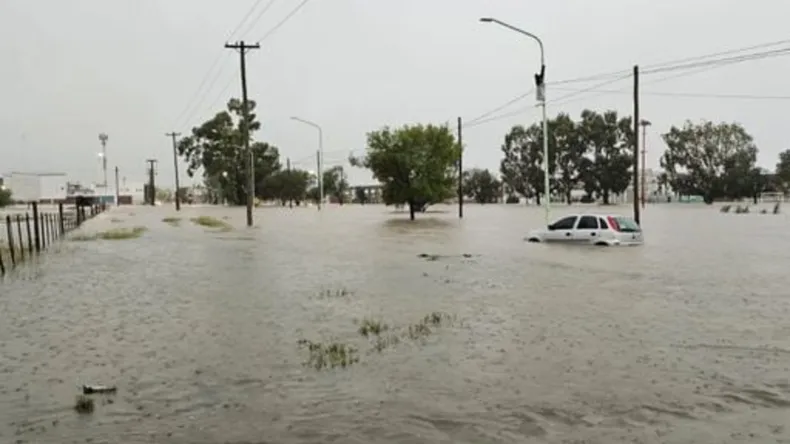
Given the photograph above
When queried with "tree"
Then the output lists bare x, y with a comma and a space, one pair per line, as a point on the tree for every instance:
711, 160
609, 142
5, 197
335, 183
783, 170
287, 186
565, 140
482, 186
522, 166
416, 164
217, 149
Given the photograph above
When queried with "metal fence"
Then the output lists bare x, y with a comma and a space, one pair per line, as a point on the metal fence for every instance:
25, 234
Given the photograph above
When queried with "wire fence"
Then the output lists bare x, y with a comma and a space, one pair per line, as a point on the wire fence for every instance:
28, 233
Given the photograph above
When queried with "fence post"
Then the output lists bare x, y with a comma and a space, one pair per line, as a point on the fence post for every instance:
36, 227
60, 218
42, 226
21, 239
53, 229
29, 237
2, 266
10, 231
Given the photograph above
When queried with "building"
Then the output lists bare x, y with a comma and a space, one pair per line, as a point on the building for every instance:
36, 187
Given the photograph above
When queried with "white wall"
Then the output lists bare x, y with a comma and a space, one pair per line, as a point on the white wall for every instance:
25, 187
52, 186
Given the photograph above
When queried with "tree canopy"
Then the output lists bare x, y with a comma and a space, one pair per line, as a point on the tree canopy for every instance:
287, 186
416, 164
5, 197
783, 170
216, 148
482, 186
712, 160
335, 184
595, 151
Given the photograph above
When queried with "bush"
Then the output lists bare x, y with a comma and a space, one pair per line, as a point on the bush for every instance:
5, 197
512, 199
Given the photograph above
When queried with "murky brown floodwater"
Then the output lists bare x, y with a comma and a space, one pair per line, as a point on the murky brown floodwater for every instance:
683, 340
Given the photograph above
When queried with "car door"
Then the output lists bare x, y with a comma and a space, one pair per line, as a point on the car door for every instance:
587, 230
562, 230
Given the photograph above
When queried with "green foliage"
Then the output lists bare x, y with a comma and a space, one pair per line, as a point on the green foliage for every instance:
783, 171
5, 197
595, 151
712, 160
416, 164
211, 222
360, 196
114, 234
482, 186
287, 186
335, 184
217, 149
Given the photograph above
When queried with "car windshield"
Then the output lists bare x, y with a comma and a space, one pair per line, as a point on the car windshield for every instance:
627, 225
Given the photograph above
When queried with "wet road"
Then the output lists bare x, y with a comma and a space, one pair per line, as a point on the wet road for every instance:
683, 340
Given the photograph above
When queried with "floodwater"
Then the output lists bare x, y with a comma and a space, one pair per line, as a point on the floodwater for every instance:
683, 340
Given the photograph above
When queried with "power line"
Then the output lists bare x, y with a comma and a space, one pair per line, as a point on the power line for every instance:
192, 105
695, 95
499, 108
284, 20
724, 61
258, 17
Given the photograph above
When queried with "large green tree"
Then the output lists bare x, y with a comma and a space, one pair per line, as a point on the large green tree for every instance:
522, 167
607, 143
566, 140
287, 186
711, 160
5, 197
416, 164
482, 186
335, 183
216, 148
783, 171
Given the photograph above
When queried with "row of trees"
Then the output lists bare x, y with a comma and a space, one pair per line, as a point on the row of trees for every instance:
595, 154
417, 165
215, 150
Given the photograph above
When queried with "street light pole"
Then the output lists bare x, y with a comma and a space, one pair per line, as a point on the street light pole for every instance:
540, 91
320, 161
645, 124
103, 139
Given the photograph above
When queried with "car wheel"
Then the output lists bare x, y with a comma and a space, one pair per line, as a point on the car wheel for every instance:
533, 240
601, 244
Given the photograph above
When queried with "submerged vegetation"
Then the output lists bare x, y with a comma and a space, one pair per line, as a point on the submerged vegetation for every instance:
172, 221
114, 234
84, 404
379, 335
211, 222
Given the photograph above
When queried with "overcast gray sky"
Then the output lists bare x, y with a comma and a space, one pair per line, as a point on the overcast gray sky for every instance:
72, 69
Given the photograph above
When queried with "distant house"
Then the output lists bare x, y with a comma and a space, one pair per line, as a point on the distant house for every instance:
36, 187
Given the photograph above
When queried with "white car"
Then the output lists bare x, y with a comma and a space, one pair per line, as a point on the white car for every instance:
595, 229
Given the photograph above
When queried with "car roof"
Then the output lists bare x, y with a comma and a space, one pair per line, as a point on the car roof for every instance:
596, 215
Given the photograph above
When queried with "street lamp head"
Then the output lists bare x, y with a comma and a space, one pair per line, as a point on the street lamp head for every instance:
486, 19
103, 137
644, 122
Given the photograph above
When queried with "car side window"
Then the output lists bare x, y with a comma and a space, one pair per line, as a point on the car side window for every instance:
588, 223
604, 225
565, 223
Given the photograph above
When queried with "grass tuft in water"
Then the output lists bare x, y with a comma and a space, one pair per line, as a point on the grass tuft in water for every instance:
725, 208
115, 220
114, 234
84, 404
335, 293
425, 326
211, 222
369, 327
330, 355
172, 221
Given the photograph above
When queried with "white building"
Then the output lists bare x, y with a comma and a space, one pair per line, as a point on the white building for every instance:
36, 187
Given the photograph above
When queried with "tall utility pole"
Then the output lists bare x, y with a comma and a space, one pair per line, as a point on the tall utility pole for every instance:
243, 47
103, 139
645, 124
320, 156
151, 181
173, 135
117, 189
636, 145
460, 169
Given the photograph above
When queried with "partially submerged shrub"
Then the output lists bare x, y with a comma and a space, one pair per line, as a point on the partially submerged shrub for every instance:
336, 293
211, 222
370, 327
84, 404
114, 234
174, 221
726, 208
331, 355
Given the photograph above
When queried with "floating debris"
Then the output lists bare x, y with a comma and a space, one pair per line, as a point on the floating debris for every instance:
84, 404
91, 389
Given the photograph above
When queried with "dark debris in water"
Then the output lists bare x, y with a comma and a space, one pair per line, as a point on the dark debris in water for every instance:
329, 355
436, 257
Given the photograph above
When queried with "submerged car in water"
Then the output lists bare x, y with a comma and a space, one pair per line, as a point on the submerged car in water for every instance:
595, 229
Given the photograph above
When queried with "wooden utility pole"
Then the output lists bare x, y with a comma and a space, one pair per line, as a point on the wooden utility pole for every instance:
460, 170
318, 175
636, 145
173, 135
117, 189
243, 47
151, 182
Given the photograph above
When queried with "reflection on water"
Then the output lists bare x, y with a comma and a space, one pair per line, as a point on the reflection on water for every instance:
685, 339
